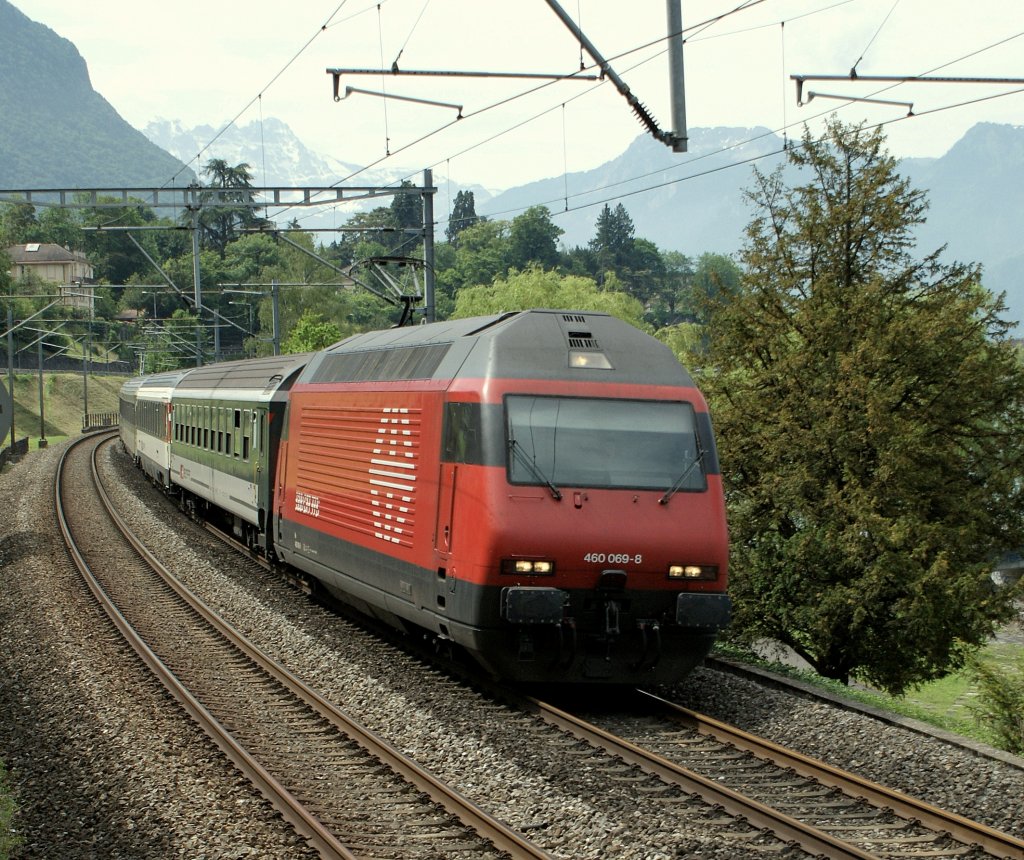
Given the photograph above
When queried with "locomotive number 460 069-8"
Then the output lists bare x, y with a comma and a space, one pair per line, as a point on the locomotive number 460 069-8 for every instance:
613, 558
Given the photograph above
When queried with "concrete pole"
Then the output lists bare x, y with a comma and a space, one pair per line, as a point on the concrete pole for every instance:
276, 313
85, 387
675, 75
428, 245
42, 412
10, 365
196, 280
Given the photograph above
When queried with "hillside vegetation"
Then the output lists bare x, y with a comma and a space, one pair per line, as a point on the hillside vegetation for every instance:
62, 403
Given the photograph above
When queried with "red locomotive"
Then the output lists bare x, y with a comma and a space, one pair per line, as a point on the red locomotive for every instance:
539, 487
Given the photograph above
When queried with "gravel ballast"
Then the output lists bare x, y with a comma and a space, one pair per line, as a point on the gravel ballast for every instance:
95, 751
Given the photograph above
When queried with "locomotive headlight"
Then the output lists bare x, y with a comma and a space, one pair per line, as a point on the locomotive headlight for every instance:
530, 567
692, 571
588, 358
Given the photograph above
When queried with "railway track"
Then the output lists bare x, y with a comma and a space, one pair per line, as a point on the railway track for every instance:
753, 815
823, 809
344, 789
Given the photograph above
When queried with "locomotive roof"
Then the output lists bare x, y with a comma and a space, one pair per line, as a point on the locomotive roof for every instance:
534, 344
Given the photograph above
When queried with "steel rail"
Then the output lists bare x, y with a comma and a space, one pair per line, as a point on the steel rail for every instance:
789, 829
277, 794
465, 810
959, 828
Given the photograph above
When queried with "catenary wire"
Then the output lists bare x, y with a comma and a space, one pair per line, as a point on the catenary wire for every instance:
633, 179
531, 90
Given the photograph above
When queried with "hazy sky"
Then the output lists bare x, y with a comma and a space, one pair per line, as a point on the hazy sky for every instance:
213, 61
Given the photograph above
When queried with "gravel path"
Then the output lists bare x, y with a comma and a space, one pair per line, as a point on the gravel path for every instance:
102, 764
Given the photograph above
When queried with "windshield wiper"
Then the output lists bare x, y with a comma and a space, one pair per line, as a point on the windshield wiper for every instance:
671, 491
517, 451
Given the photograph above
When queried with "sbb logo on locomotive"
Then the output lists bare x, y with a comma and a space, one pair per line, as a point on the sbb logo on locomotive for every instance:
305, 503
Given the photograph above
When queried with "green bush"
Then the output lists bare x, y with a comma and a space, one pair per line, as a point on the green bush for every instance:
1000, 703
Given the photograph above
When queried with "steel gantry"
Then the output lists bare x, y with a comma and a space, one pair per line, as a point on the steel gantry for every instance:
191, 200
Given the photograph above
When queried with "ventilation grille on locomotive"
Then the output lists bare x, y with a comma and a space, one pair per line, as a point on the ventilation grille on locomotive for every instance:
582, 340
382, 365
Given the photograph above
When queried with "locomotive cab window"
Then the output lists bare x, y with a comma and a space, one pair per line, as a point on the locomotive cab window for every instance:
583, 442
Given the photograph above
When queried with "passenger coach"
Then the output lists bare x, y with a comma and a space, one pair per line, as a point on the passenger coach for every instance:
153, 424
225, 434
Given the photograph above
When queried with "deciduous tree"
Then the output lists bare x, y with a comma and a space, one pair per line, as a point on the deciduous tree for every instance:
870, 414
310, 333
533, 238
535, 288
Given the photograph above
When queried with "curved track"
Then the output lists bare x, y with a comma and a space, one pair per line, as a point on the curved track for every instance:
344, 789
823, 809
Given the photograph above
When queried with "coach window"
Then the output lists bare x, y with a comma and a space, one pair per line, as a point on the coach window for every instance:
257, 439
246, 431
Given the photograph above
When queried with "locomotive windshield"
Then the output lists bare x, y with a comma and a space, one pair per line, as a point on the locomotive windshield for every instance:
581, 442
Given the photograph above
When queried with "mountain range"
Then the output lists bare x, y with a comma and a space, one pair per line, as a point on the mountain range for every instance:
693, 203
276, 157
57, 131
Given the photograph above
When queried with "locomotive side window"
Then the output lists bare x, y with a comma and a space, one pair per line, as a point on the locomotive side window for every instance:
582, 442
473, 433
462, 442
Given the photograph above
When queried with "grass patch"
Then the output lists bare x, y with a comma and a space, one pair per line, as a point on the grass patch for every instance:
9, 839
949, 703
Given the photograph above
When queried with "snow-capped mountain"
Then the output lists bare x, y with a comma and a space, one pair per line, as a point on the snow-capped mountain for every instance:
276, 157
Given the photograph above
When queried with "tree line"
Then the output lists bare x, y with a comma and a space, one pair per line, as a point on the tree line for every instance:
867, 395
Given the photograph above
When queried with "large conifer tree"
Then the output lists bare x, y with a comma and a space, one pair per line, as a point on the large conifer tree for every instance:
870, 412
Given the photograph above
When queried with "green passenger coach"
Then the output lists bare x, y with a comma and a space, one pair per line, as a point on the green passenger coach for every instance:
226, 421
